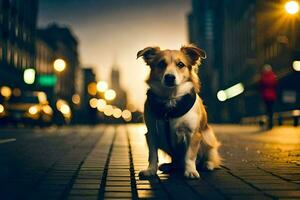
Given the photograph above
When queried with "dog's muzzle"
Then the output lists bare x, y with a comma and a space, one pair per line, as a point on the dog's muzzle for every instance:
169, 80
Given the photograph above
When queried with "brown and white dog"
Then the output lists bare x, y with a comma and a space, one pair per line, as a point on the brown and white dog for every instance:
174, 114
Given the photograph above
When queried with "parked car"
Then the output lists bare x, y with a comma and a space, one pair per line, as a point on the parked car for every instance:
30, 108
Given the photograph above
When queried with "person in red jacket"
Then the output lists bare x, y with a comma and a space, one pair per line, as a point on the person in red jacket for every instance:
268, 84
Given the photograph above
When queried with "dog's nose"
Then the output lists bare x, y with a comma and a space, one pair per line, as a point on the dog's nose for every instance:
169, 80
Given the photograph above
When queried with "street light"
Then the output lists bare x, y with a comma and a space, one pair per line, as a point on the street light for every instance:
291, 7
59, 65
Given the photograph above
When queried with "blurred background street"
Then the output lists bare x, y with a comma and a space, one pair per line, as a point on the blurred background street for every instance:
72, 95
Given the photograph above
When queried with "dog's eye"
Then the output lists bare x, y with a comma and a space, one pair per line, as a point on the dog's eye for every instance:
180, 64
162, 64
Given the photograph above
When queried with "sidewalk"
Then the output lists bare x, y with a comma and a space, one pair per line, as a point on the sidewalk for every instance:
103, 162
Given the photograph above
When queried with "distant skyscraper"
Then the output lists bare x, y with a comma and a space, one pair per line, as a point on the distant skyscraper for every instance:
121, 98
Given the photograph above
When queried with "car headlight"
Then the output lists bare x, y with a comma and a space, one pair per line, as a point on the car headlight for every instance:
47, 109
1, 109
33, 110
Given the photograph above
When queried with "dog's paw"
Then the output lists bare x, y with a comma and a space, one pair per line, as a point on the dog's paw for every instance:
147, 173
192, 174
209, 165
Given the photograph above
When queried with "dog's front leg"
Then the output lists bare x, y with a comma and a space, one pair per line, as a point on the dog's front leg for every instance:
153, 157
191, 155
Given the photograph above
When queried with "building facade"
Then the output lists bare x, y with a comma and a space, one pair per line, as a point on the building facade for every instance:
248, 35
63, 45
205, 28
17, 40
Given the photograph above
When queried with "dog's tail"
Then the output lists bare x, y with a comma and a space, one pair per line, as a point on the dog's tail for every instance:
209, 138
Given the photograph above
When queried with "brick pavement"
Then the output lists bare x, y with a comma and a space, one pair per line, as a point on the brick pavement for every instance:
103, 162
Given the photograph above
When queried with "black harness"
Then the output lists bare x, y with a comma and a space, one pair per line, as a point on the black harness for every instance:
162, 110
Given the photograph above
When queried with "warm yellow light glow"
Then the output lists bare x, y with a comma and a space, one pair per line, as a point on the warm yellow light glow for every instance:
5, 91
126, 114
92, 88
42, 97
110, 94
296, 65
59, 103
221, 95
47, 109
1, 108
102, 86
108, 110
117, 113
29, 76
65, 109
59, 65
16, 92
76, 99
33, 110
291, 7
101, 105
93, 102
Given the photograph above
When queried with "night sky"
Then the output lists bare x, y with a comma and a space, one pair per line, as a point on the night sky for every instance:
114, 30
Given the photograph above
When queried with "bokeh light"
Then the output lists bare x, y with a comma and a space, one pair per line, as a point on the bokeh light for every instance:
59, 65
291, 7
93, 102
117, 113
29, 76
221, 95
102, 86
126, 114
296, 65
16, 92
92, 88
110, 94
101, 105
108, 110
76, 99
33, 110
1, 108
65, 109
6, 91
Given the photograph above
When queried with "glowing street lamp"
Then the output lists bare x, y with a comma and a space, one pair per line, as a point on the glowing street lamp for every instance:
59, 65
291, 7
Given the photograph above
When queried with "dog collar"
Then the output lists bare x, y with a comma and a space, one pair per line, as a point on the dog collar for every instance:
161, 110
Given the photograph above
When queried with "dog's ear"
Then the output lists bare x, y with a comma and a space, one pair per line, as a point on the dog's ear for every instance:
148, 54
194, 53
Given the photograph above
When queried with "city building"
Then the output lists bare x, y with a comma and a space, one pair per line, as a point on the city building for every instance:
63, 45
244, 36
259, 33
87, 114
205, 25
121, 98
18, 20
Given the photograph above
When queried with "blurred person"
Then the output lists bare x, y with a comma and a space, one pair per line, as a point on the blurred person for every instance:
268, 84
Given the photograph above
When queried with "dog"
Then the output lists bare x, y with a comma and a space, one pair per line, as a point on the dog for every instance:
174, 114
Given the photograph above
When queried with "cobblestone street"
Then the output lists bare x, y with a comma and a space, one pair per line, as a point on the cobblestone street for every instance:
102, 162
